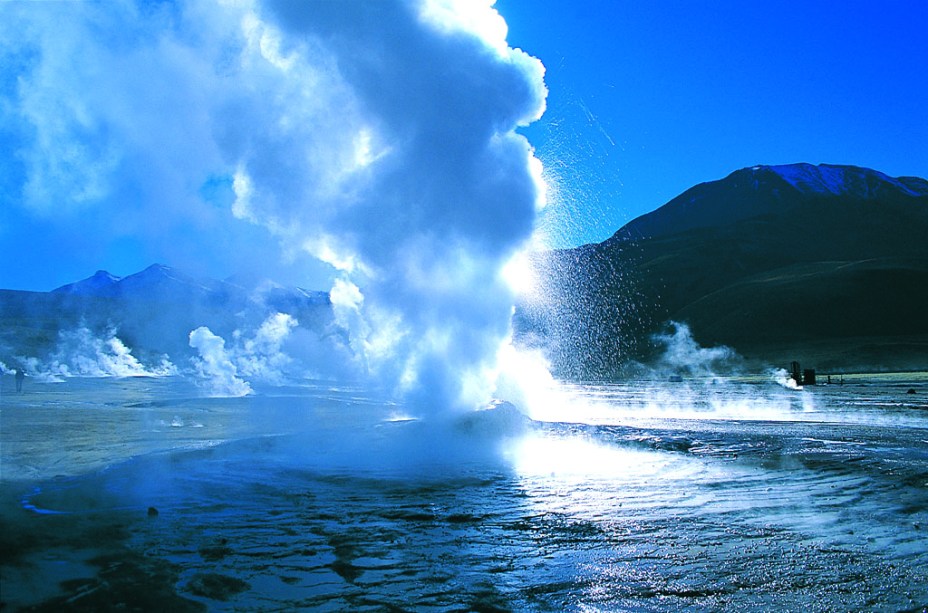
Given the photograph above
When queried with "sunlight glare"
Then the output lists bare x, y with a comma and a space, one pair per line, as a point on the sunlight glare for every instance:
542, 456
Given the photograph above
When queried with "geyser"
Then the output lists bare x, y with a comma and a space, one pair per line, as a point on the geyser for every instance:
432, 193
376, 137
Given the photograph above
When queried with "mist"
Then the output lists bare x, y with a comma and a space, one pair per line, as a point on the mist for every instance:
681, 355
369, 148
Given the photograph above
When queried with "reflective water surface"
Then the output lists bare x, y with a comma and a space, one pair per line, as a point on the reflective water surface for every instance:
646, 496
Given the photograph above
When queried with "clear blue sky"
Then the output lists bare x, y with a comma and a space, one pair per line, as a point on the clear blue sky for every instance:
645, 100
649, 98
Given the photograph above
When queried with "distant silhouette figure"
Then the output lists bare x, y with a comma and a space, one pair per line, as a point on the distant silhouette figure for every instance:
20, 375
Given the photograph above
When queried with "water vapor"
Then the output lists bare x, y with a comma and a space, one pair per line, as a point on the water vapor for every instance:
81, 353
374, 139
214, 366
258, 357
782, 377
430, 192
681, 355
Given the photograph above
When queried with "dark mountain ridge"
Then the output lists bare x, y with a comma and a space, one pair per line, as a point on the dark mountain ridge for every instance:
827, 264
771, 191
767, 260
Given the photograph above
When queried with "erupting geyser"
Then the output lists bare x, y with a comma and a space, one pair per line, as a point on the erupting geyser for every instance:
376, 137
419, 194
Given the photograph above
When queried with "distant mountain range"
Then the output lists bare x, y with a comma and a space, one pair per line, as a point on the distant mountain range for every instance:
826, 264
153, 310
823, 264
159, 282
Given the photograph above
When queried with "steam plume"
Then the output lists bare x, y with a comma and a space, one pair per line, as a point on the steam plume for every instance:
376, 137
215, 367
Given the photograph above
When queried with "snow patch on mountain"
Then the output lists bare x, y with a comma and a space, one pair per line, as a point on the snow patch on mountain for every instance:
840, 180
101, 283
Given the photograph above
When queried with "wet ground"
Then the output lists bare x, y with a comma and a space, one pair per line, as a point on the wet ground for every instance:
138, 493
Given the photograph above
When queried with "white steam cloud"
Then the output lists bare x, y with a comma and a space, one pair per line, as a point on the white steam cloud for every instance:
229, 370
425, 191
214, 366
683, 356
81, 353
782, 377
377, 137
261, 356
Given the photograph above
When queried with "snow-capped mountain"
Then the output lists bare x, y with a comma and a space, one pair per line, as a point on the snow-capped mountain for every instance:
761, 191
101, 283
157, 280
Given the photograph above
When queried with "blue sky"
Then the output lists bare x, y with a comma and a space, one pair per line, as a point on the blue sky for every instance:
104, 167
649, 98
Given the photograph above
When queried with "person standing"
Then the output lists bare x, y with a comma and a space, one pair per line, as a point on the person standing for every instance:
20, 375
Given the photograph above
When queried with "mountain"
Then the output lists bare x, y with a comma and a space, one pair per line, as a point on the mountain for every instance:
780, 262
101, 283
770, 191
157, 282
823, 264
160, 283
153, 310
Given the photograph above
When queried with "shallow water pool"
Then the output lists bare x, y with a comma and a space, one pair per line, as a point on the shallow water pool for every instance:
645, 497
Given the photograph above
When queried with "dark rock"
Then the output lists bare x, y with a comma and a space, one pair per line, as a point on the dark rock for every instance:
216, 586
215, 552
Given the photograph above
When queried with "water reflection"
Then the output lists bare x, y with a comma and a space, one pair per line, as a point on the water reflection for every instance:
325, 497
